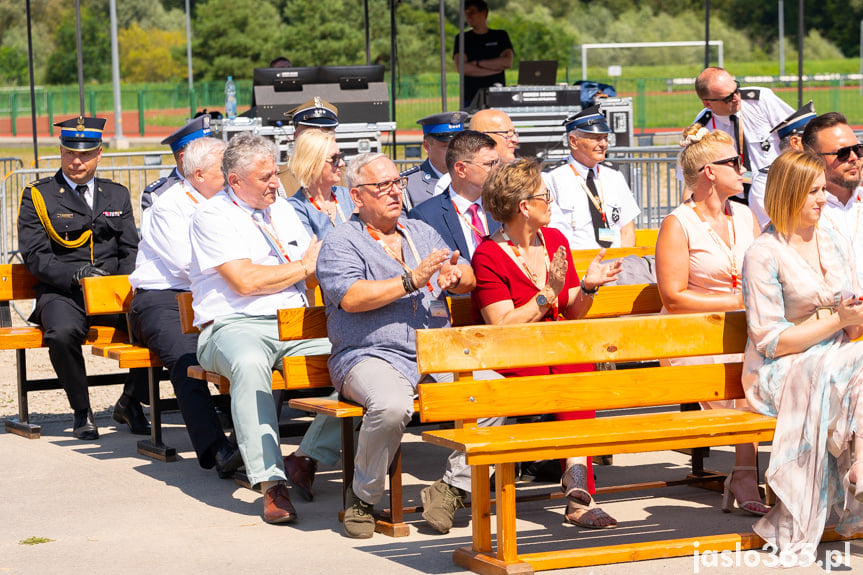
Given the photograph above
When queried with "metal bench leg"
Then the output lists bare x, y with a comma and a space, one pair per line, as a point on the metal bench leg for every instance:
154, 447
23, 427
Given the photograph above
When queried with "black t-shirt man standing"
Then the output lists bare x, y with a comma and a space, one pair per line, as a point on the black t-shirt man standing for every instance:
487, 52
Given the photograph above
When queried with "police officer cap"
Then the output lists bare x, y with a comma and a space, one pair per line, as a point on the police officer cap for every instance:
81, 133
795, 123
194, 129
317, 113
443, 126
588, 120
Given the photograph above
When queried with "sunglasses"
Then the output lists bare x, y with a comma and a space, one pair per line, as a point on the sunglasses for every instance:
336, 159
727, 99
734, 162
384, 188
844, 154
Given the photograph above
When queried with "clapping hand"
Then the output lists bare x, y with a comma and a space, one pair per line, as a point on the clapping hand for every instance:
427, 268
598, 273
450, 273
557, 272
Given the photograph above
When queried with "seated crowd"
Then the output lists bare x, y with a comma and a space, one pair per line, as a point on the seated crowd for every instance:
499, 230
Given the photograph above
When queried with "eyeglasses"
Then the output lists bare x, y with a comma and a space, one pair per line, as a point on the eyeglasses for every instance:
727, 99
384, 188
508, 135
546, 197
336, 159
487, 165
844, 154
733, 162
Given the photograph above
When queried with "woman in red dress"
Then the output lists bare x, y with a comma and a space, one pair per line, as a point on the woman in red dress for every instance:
525, 273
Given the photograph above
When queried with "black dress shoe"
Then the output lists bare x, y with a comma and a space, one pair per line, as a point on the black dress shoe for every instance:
228, 460
84, 425
129, 411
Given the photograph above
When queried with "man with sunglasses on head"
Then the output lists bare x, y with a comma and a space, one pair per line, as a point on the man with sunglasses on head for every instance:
383, 276
830, 136
593, 205
748, 115
457, 214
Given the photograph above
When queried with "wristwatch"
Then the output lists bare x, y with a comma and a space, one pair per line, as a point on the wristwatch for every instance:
541, 300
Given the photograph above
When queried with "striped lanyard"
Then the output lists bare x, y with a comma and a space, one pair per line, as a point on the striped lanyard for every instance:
528, 272
269, 235
314, 203
727, 250
466, 220
376, 236
597, 200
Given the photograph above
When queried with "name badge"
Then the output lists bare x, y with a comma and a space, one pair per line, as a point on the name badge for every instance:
438, 308
606, 235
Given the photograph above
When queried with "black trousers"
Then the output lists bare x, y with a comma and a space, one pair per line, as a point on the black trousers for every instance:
154, 319
64, 325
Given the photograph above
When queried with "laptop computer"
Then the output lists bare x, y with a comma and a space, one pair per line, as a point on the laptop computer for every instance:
537, 73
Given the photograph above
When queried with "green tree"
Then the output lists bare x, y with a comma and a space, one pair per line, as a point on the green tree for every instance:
147, 55
96, 46
13, 66
232, 37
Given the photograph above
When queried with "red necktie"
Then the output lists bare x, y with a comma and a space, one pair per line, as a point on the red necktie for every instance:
476, 222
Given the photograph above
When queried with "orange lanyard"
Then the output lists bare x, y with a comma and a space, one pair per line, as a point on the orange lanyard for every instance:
314, 202
596, 201
270, 234
729, 251
532, 276
480, 233
395, 256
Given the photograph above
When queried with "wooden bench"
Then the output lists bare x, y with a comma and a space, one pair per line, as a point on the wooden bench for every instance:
108, 295
464, 350
16, 284
311, 371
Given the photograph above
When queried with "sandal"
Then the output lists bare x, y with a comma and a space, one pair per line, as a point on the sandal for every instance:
753, 506
573, 477
593, 518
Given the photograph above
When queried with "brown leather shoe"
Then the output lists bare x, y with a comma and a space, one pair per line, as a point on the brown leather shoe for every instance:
277, 505
301, 472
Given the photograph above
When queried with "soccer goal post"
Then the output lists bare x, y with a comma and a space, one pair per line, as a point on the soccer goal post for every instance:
586, 47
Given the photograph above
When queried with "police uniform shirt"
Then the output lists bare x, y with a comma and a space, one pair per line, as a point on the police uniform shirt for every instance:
463, 205
222, 231
159, 187
760, 111
421, 186
570, 212
165, 250
847, 219
756, 197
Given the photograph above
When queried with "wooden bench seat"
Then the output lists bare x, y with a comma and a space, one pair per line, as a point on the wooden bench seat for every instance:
17, 284
464, 350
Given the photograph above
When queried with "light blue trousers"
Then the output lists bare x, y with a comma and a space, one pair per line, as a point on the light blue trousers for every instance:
246, 350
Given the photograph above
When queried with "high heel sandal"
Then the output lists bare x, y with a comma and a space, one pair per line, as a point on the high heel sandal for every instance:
753, 506
581, 509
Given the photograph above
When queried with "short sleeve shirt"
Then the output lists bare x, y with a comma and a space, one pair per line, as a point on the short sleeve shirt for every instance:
350, 254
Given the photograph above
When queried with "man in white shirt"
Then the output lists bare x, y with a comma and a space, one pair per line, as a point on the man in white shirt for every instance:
161, 272
748, 115
593, 205
250, 257
457, 214
830, 136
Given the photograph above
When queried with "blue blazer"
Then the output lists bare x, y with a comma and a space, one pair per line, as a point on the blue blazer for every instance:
439, 213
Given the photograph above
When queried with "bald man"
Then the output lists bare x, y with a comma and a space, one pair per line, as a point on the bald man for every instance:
499, 126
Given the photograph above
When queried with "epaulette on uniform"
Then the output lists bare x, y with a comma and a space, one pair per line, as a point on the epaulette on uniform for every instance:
39, 182
705, 117
410, 171
750, 94
607, 164
156, 185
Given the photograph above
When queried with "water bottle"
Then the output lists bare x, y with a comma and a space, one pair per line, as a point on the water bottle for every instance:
230, 98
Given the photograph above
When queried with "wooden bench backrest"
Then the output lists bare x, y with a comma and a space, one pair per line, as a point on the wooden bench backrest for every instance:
16, 282
187, 314
463, 350
107, 295
646, 237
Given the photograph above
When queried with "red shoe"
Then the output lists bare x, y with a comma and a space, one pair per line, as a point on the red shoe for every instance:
277, 505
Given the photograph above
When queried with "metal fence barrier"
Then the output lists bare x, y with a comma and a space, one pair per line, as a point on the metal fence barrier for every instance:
650, 172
